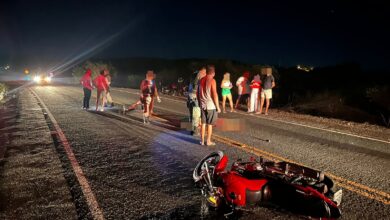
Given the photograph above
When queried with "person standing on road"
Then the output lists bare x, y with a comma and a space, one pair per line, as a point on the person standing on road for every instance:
101, 85
155, 94
108, 81
266, 92
86, 82
193, 102
243, 90
208, 100
255, 88
148, 90
226, 86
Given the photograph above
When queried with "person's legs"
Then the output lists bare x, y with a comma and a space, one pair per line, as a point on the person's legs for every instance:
88, 97
203, 125
103, 100
256, 101
98, 92
252, 102
190, 108
261, 101
202, 133
237, 101
268, 97
151, 106
223, 103
109, 98
248, 101
261, 105
85, 98
209, 133
230, 98
267, 106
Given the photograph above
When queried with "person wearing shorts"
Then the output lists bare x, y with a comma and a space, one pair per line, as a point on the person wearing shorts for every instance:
226, 86
266, 92
209, 104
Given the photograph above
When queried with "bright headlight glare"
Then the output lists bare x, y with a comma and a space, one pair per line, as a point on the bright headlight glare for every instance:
37, 78
47, 79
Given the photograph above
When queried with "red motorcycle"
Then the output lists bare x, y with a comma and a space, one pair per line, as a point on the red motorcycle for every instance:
261, 182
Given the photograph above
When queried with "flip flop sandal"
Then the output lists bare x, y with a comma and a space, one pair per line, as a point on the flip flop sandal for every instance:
201, 143
211, 144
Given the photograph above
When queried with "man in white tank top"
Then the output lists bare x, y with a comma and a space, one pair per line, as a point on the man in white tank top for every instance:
209, 104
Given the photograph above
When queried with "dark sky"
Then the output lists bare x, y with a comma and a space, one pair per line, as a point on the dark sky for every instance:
274, 32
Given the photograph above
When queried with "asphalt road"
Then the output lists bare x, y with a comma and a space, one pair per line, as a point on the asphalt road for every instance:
145, 171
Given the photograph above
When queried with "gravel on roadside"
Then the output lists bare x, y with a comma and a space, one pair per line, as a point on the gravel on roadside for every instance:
32, 183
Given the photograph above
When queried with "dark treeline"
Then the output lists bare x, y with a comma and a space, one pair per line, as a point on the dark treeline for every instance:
342, 91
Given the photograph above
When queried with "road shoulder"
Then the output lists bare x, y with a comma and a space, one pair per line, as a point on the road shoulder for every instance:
32, 181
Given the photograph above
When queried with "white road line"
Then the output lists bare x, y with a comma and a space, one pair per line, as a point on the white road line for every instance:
289, 122
93, 205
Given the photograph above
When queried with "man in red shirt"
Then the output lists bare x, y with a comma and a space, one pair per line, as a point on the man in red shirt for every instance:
102, 87
86, 82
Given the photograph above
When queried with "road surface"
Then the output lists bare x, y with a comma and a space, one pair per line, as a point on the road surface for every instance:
145, 171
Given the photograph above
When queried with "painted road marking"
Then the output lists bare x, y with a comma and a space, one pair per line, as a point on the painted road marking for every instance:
287, 122
89, 196
358, 188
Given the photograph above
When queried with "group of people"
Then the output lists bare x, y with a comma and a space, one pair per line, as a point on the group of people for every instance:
255, 93
203, 102
102, 84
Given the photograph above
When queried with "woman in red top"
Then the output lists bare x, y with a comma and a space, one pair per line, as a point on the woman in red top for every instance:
255, 88
102, 87
86, 82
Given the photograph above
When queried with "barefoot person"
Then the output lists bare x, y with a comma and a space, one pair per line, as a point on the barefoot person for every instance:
208, 100
266, 92
226, 86
101, 86
255, 89
243, 90
86, 82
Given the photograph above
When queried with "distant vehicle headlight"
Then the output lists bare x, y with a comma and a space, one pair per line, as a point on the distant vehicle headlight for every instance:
37, 79
48, 79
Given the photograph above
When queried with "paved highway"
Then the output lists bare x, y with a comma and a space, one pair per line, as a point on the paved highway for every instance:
144, 171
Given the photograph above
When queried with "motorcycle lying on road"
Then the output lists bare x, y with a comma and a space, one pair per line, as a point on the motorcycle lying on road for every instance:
299, 189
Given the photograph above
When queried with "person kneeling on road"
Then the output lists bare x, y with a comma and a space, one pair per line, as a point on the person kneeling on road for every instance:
148, 90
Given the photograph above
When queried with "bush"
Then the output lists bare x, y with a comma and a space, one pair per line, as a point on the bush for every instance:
95, 67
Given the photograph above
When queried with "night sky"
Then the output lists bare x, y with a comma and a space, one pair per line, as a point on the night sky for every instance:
282, 33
